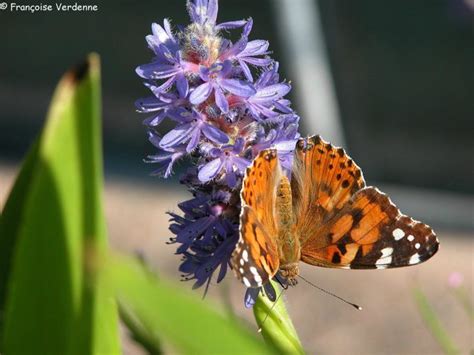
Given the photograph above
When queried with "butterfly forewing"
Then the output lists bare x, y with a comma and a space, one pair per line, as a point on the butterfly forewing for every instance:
324, 178
255, 259
259, 188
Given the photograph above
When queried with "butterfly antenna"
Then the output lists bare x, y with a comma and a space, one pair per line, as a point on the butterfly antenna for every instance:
268, 313
331, 294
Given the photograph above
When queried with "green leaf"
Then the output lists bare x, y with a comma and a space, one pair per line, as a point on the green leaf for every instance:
52, 218
434, 324
9, 224
165, 312
276, 325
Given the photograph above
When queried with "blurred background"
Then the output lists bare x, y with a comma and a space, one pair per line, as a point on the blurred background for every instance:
390, 81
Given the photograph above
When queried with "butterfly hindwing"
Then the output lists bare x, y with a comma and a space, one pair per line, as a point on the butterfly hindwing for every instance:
371, 233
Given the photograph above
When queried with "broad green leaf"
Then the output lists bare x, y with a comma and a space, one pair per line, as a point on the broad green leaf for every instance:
9, 225
168, 313
276, 325
52, 218
434, 324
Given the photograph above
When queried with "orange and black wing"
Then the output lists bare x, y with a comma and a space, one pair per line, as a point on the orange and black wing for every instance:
255, 259
324, 178
343, 224
371, 233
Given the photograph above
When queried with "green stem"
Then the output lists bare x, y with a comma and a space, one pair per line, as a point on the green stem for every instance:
463, 297
276, 326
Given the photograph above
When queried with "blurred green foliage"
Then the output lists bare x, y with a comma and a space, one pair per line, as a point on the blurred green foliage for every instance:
434, 323
464, 297
158, 311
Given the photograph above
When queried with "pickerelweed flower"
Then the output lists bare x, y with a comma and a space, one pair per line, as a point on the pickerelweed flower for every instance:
228, 103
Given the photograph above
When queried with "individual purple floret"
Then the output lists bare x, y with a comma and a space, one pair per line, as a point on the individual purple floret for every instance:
192, 125
217, 79
226, 103
225, 161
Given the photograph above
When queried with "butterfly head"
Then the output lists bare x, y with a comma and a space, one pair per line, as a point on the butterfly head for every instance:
306, 144
290, 272
270, 154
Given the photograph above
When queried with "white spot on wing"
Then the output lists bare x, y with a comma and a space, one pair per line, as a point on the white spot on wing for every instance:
417, 246
398, 234
385, 259
245, 256
256, 275
386, 252
411, 238
241, 270
415, 259
242, 262
246, 282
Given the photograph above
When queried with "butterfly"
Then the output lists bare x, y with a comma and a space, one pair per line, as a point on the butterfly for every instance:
324, 215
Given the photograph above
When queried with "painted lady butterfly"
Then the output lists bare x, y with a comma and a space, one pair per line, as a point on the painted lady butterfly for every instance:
324, 216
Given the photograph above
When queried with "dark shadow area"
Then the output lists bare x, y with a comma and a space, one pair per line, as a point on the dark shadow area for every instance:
403, 76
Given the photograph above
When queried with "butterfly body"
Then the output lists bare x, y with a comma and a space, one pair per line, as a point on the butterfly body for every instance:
323, 216
289, 245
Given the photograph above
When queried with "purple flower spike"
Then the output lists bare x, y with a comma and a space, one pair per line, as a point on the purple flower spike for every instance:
222, 118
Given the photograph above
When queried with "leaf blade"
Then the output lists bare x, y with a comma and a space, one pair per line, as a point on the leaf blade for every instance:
50, 300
